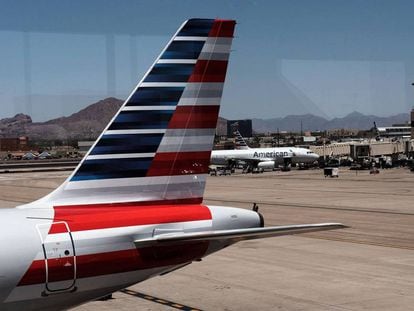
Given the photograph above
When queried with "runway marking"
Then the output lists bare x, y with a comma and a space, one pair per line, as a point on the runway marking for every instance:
28, 186
359, 242
316, 175
14, 201
403, 192
341, 208
159, 300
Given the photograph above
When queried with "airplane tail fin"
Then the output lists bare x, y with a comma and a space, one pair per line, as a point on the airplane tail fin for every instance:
240, 142
157, 147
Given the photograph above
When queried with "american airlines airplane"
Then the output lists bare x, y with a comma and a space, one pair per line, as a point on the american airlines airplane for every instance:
262, 158
133, 207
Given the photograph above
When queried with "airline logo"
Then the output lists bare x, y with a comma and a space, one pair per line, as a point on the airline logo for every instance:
240, 143
271, 154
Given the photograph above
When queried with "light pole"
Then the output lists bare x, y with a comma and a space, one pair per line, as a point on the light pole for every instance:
412, 124
412, 109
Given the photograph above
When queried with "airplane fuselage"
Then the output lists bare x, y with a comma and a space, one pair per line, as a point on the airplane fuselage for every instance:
56, 259
278, 155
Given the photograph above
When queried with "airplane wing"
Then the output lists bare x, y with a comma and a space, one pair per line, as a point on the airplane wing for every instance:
235, 235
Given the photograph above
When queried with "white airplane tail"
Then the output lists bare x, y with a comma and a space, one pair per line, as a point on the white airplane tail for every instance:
157, 147
240, 142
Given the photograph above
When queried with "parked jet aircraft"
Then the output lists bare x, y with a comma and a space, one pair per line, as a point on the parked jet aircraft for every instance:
133, 208
262, 158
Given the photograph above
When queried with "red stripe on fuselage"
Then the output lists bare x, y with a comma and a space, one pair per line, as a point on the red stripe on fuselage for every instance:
222, 28
36, 273
103, 216
185, 201
117, 262
193, 117
179, 163
209, 71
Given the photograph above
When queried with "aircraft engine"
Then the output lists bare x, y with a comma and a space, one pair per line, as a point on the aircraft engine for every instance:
266, 165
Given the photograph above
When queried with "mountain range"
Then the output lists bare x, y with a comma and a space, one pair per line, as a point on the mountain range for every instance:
89, 122
309, 122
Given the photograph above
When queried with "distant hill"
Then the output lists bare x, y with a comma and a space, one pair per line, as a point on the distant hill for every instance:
360, 121
291, 123
354, 120
89, 122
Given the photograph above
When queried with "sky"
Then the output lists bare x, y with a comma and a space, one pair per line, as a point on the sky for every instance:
328, 58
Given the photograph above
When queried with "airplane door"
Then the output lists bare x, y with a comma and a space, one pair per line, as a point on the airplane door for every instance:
60, 257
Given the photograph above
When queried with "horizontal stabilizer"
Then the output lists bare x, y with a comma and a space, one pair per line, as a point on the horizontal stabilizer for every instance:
235, 235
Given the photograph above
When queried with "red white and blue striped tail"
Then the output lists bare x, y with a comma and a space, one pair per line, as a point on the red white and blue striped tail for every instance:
239, 141
157, 147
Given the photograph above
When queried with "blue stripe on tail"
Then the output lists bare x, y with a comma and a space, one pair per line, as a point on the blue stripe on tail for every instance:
138, 132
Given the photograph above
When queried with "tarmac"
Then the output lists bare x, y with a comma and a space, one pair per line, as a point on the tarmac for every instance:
369, 266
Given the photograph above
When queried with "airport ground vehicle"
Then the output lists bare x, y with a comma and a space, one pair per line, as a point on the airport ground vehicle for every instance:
331, 171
